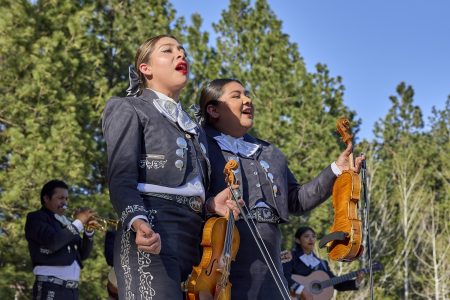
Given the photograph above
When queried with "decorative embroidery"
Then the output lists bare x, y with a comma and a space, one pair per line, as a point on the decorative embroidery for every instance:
39, 291
264, 215
195, 203
44, 251
151, 216
125, 263
50, 295
152, 164
72, 229
145, 277
265, 165
131, 209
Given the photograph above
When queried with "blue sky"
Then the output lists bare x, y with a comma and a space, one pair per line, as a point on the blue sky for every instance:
373, 45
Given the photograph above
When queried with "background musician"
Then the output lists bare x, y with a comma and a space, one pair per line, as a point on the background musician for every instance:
304, 261
56, 247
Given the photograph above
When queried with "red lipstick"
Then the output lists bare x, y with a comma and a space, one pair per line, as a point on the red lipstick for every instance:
182, 67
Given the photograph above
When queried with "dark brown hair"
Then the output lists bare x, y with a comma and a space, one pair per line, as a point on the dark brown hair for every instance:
210, 95
302, 230
143, 55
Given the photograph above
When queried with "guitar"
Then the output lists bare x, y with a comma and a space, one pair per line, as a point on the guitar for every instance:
320, 285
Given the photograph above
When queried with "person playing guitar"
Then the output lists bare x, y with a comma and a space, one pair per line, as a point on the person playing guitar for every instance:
304, 262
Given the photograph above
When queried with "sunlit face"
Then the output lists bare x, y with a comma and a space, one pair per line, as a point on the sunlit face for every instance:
167, 69
235, 110
307, 241
57, 201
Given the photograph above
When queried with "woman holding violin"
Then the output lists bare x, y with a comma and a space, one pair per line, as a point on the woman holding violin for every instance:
157, 173
266, 184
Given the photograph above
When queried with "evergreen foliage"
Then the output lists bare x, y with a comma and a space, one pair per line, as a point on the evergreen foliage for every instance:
61, 60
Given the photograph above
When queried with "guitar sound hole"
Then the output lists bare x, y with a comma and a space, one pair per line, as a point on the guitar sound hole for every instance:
316, 287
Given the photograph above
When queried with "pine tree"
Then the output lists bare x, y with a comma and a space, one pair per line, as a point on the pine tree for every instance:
434, 234
59, 62
203, 60
401, 192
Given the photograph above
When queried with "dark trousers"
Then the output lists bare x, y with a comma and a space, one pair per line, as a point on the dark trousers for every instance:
147, 276
51, 291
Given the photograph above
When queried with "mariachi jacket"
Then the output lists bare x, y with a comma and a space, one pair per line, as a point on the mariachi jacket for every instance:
263, 177
268, 178
144, 146
51, 243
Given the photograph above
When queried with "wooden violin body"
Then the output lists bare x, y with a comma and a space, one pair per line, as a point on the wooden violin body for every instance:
206, 277
220, 242
346, 194
345, 238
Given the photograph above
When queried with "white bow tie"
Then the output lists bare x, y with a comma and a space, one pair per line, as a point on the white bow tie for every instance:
236, 145
175, 113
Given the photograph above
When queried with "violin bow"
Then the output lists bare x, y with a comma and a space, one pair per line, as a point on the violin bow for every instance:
260, 243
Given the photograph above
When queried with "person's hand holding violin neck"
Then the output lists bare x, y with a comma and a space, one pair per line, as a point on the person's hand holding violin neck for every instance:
146, 239
343, 161
223, 202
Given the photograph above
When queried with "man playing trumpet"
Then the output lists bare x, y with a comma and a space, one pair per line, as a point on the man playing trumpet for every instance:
56, 247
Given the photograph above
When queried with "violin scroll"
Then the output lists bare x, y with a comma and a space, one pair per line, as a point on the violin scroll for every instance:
231, 166
343, 127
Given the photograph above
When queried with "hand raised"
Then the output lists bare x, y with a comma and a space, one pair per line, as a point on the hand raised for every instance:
343, 161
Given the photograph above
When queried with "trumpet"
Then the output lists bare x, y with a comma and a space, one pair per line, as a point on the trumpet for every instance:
102, 224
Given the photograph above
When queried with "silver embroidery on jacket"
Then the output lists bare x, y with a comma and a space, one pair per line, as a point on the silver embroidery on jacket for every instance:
44, 251
145, 277
131, 209
72, 229
125, 263
152, 164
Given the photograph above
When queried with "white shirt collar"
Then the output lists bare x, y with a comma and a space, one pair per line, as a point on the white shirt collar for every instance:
309, 260
236, 145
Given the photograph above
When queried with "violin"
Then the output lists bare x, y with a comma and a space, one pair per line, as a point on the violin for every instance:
345, 238
220, 242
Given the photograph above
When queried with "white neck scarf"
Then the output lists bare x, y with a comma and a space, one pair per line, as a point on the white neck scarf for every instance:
174, 112
236, 145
